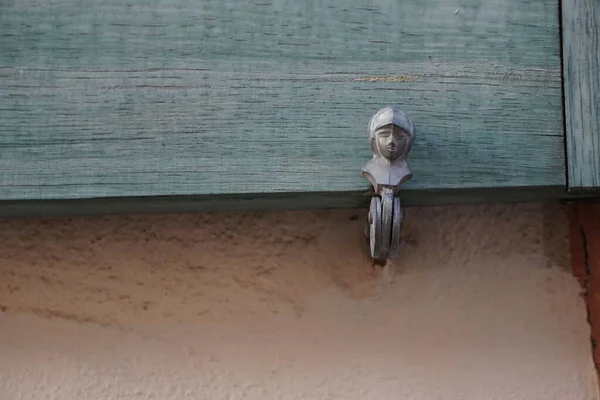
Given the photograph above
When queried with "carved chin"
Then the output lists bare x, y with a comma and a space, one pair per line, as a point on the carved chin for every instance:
390, 155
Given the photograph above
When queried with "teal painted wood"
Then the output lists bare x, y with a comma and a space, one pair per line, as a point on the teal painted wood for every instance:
111, 99
581, 57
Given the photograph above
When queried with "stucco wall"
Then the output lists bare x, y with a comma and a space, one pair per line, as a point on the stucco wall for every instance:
288, 306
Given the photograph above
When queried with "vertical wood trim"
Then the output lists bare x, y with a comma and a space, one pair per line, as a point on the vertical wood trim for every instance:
584, 225
581, 63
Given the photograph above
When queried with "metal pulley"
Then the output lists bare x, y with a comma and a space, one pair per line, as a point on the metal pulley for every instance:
391, 134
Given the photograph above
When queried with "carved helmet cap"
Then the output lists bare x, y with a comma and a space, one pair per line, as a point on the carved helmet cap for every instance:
391, 115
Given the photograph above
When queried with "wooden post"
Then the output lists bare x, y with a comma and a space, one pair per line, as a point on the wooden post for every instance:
581, 61
584, 225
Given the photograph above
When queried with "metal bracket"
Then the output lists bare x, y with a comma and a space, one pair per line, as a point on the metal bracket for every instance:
391, 134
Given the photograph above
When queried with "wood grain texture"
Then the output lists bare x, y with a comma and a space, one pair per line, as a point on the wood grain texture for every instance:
113, 99
581, 57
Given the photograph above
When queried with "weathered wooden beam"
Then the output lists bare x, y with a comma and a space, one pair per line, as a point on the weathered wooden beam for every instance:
107, 99
581, 58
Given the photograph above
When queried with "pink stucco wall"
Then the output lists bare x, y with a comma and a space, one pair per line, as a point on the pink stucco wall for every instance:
288, 306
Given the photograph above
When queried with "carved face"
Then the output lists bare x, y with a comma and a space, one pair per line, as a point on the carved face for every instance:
391, 141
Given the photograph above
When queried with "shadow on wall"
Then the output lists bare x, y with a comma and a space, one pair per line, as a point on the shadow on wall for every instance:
115, 270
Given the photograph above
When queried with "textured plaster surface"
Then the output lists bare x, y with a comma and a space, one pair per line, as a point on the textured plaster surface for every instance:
288, 306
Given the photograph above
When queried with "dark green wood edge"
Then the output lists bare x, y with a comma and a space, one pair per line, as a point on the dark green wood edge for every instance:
262, 202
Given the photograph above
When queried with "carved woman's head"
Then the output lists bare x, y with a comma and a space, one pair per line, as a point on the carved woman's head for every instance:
391, 133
